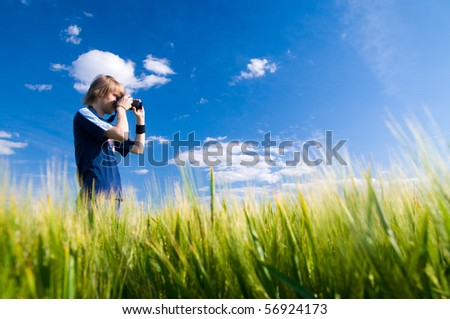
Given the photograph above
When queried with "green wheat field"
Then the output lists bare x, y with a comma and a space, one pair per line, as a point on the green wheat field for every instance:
359, 231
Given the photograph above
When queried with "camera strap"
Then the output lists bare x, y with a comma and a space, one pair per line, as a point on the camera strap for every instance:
111, 118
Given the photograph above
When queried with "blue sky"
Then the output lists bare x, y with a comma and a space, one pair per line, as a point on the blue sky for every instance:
226, 70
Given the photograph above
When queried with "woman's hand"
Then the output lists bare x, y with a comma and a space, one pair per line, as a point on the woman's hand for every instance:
125, 102
140, 115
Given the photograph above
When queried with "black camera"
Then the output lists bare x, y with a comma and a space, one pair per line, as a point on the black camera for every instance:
137, 104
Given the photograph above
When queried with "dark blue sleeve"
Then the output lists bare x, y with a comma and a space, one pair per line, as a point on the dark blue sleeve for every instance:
123, 147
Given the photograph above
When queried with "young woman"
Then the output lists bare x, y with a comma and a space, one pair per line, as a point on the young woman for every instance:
97, 140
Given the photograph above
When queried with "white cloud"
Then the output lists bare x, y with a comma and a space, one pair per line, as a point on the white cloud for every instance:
184, 116
7, 147
25, 2
219, 138
261, 131
157, 66
294, 171
289, 54
256, 68
88, 14
141, 171
73, 30
259, 173
59, 67
203, 101
72, 34
147, 81
374, 29
95, 62
4, 134
159, 139
235, 171
39, 87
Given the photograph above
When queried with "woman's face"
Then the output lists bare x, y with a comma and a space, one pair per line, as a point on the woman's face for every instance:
108, 103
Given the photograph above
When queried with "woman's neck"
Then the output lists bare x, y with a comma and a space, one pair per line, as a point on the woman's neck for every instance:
97, 107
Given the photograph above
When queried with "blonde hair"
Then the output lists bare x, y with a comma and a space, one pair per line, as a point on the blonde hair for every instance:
101, 87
